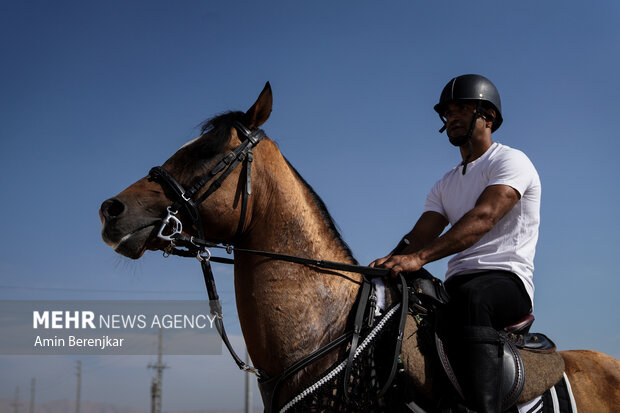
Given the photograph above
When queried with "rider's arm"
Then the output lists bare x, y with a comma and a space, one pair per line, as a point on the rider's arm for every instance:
429, 226
494, 202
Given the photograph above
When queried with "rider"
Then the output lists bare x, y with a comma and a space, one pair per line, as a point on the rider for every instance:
492, 202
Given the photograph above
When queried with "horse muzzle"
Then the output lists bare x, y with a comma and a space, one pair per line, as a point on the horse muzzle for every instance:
128, 233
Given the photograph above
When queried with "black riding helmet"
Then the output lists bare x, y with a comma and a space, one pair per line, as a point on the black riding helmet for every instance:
474, 88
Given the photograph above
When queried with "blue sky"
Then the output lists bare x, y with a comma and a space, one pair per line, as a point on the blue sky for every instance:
94, 94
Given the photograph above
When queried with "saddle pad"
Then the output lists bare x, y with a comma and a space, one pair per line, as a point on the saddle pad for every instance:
558, 399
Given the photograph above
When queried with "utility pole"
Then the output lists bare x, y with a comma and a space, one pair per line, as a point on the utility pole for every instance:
248, 389
156, 386
153, 395
16, 402
79, 386
32, 383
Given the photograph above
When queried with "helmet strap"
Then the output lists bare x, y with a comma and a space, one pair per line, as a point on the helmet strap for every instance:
466, 160
462, 140
445, 125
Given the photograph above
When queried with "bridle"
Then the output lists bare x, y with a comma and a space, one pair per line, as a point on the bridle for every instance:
188, 201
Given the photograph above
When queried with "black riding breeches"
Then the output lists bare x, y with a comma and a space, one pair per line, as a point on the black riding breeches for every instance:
490, 298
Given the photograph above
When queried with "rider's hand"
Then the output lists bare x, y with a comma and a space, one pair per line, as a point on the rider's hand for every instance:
378, 262
400, 263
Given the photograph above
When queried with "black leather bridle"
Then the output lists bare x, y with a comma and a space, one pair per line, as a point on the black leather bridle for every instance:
188, 201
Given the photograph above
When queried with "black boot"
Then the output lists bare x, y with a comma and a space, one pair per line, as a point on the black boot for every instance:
481, 368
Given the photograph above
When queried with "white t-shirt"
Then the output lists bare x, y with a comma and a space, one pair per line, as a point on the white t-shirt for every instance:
511, 244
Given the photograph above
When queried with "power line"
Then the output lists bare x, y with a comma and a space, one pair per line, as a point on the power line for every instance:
57, 380
82, 290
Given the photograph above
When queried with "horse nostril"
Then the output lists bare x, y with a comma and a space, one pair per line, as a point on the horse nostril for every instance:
112, 208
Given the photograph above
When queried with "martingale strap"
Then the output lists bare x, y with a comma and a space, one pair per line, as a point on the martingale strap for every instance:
404, 307
357, 329
216, 310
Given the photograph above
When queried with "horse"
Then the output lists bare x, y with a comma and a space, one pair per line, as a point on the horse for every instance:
287, 310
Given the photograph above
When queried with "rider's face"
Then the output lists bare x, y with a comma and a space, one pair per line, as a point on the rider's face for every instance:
458, 117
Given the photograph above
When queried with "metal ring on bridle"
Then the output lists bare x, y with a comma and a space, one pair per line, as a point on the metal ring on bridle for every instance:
204, 255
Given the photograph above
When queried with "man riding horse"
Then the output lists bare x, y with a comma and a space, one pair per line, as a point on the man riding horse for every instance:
492, 202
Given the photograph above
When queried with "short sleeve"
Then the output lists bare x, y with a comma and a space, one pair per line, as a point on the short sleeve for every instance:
512, 168
433, 200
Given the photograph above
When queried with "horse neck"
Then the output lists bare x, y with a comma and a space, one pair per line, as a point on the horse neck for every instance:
288, 310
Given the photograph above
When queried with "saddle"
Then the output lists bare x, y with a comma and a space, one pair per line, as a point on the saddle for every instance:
427, 295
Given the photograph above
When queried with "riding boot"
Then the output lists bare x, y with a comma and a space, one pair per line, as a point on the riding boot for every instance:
482, 368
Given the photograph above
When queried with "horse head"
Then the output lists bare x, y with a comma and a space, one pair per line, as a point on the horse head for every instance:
133, 218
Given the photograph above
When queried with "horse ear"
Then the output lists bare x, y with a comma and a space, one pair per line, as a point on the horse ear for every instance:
261, 109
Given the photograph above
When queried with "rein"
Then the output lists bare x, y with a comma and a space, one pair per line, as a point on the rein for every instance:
188, 202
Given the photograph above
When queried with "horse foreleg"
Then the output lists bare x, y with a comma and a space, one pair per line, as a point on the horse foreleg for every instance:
595, 380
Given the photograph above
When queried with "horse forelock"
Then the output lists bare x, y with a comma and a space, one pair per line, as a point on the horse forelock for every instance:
214, 137
217, 130
329, 220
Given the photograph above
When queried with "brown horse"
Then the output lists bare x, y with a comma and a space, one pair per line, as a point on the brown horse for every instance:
288, 310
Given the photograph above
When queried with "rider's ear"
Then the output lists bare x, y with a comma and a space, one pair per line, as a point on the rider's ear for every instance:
260, 110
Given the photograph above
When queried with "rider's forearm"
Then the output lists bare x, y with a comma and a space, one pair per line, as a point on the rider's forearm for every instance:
462, 235
428, 228
410, 243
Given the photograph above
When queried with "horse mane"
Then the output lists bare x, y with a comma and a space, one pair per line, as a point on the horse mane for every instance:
219, 127
333, 227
